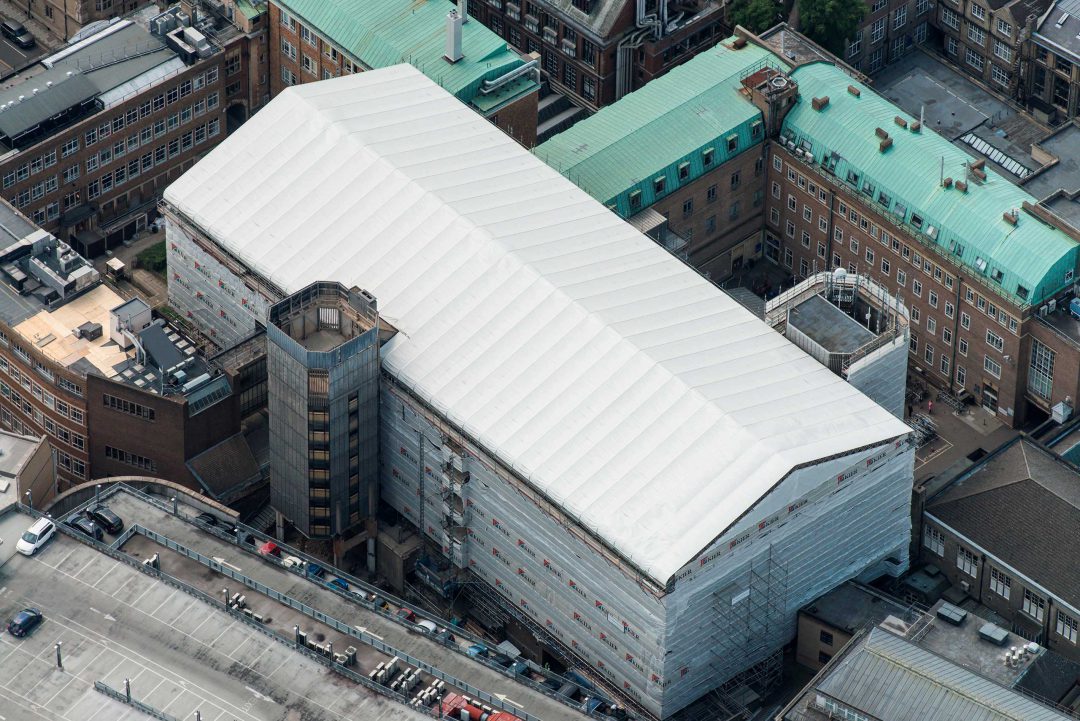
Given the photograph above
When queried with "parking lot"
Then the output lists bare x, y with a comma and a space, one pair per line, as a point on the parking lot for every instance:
316, 595
180, 654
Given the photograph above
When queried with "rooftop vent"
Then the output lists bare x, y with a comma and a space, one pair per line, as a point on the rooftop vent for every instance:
880, 132
916, 126
979, 164
947, 182
952, 614
453, 37
820, 104
740, 43
1011, 217
900, 121
961, 186
884, 145
994, 634
854, 90
979, 174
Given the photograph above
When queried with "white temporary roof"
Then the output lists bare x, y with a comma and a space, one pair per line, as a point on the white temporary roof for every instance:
615, 379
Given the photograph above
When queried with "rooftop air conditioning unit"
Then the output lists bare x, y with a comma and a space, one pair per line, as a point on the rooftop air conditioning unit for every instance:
1051, 305
965, 586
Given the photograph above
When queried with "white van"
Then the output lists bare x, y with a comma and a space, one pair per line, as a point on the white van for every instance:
36, 536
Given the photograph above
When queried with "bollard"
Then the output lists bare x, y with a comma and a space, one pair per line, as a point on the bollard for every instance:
225, 593
296, 633
198, 715
330, 649
59, 661
175, 507
97, 494
127, 689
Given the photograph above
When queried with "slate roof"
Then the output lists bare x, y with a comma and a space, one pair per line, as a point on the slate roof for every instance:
225, 466
1021, 505
892, 679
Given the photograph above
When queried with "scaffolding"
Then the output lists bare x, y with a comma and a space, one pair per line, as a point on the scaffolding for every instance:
749, 627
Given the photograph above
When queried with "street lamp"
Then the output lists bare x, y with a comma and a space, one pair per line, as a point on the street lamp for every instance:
30, 500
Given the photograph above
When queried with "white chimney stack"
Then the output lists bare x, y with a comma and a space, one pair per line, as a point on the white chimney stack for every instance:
463, 10
453, 37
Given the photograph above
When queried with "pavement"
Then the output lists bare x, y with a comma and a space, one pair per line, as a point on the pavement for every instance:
151, 287
316, 595
180, 654
959, 436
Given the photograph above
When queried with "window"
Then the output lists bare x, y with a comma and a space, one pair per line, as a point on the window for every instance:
933, 298
998, 75
805, 239
688, 207
994, 340
950, 19
901, 278
71, 174
308, 37
710, 194
732, 143
965, 320
308, 64
131, 459
288, 49
931, 325
1066, 626
928, 354
71, 146
826, 637
774, 216
776, 190
945, 365
807, 214
976, 34
962, 346
1003, 27
1000, 583
934, 540
1034, 605
885, 268
950, 309
659, 185
1003, 51
1041, 374
916, 287
870, 255
288, 76
978, 11
946, 335
991, 366
900, 18
974, 59
961, 376
915, 314
790, 229
877, 30
735, 180
965, 561
854, 46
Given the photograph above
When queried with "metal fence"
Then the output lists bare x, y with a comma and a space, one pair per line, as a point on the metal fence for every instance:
133, 702
317, 615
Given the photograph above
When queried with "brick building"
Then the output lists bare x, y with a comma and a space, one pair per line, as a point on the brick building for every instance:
1053, 81
313, 40
987, 39
971, 531
889, 30
704, 182
853, 183
596, 51
65, 18
90, 144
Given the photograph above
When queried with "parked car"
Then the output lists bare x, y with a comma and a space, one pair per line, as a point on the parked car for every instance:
406, 614
426, 626
338, 583
292, 562
314, 570
16, 33
269, 549
40, 533
104, 517
24, 622
84, 525
207, 519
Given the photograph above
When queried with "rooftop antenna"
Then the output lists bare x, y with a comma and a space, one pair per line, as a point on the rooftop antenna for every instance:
942, 179
922, 115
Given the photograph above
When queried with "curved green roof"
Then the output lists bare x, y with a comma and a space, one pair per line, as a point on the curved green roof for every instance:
381, 33
667, 122
1030, 261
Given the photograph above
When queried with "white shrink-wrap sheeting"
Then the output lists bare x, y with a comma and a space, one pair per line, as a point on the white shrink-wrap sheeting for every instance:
620, 415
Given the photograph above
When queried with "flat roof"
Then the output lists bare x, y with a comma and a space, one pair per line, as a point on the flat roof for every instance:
600, 368
828, 326
50, 332
695, 105
381, 33
851, 606
1029, 260
1063, 36
180, 653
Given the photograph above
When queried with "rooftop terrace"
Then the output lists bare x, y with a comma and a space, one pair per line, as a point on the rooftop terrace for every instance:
1028, 261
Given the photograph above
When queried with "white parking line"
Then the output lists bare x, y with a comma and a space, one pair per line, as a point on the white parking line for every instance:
106, 575
149, 588
53, 697
231, 624
167, 599
202, 623
66, 556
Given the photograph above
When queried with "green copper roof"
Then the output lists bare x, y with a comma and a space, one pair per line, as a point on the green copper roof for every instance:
670, 121
380, 33
1029, 261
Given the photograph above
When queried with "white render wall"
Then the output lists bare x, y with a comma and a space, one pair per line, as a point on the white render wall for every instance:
663, 650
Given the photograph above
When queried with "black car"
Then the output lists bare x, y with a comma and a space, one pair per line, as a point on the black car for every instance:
85, 525
24, 622
208, 519
104, 517
17, 34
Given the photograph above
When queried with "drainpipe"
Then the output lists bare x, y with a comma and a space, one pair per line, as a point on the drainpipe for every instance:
624, 61
955, 332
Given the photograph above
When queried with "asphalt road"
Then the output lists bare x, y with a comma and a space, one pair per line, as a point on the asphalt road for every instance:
15, 58
180, 654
